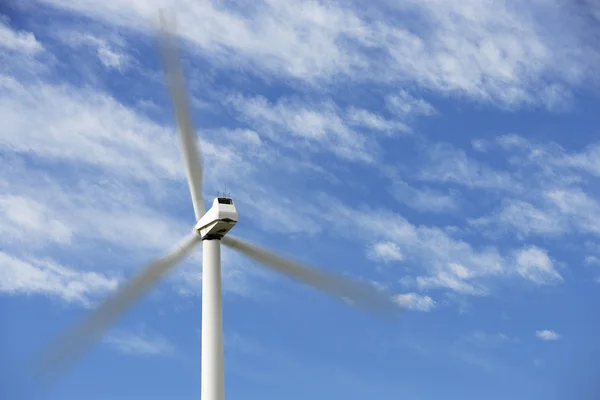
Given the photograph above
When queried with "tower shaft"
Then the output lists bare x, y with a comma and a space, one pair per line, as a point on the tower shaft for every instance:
213, 382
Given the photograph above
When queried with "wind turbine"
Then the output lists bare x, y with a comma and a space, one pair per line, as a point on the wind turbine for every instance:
211, 230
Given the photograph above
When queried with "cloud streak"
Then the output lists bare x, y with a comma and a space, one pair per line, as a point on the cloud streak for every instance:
18, 41
443, 261
475, 49
139, 344
415, 302
44, 277
547, 335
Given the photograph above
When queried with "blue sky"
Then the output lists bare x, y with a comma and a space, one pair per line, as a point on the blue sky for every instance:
445, 150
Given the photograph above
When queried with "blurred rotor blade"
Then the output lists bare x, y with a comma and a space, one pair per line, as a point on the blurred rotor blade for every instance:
173, 72
358, 294
62, 352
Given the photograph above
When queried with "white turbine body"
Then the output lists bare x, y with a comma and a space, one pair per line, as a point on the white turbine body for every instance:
217, 221
213, 225
213, 364
211, 229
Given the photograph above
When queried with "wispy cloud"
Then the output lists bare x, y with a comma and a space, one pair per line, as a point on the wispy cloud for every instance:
451, 165
405, 105
18, 41
21, 53
27, 220
89, 184
534, 264
139, 344
415, 302
72, 208
78, 125
559, 198
522, 217
111, 54
117, 182
442, 261
475, 49
485, 339
481, 349
424, 199
375, 122
44, 277
547, 335
592, 260
385, 251
297, 106
318, 126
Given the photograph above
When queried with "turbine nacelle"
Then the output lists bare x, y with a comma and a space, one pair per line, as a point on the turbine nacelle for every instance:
217, 221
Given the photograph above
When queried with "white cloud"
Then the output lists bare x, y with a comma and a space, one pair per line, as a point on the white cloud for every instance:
28, 221
553, 211
18, 41
44, 277
592, 260
78, 210
320, 126
376, 122
479, 47
66, 124
298, 41
479, 145
485, 339
507, 54
102, 172
551, 159
281, 216
480, 349
295, 124
91, 135
511, 141
110, 58
449, 280
101, 176
405, 105
110, 54
63, 126
560, 197
425, 199
140, 344
534, 264
114, 218
415, 302
577, 207
560, 200
547, 335
451, 165
441, 260
385, 251
21, 53
524, 218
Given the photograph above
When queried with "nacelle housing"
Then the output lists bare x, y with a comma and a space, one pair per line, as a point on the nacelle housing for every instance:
217, 221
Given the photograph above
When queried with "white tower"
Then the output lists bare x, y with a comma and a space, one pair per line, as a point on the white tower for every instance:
221, 217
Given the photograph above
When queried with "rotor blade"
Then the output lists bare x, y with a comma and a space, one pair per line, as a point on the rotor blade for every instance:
359, 294
173, 72
67, 347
